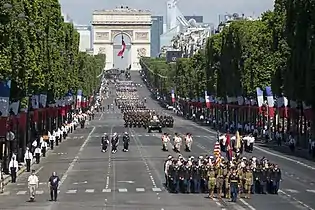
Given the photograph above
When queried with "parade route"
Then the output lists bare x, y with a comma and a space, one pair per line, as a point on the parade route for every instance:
134, 180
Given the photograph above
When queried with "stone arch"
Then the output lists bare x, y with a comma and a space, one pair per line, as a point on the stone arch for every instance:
116, 38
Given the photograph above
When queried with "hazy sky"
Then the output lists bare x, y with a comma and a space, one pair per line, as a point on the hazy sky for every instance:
81, 10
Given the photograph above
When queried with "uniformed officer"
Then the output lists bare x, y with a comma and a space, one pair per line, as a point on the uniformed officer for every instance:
175, 178
248, 176
276, 178
204, 177
44, 148
28, 157
234, 181
219, 180
37, 154
13, 166
196, 176
187, 177
226, 175
212, 180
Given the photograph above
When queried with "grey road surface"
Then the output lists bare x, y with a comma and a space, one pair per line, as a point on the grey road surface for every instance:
134, 180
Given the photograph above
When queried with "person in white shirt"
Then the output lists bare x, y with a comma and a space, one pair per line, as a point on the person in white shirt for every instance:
32, 184
37, 154
57, 136
34, 145
14, 167
51, 140
28, 157
44, 148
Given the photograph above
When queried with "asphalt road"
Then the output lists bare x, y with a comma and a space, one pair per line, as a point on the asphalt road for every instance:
134, 180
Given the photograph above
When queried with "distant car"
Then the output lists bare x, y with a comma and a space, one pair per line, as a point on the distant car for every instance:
154, 126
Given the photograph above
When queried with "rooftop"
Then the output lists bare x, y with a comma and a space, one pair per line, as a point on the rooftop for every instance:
122, 10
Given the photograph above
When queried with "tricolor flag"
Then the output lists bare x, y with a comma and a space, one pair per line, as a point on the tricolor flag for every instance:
229, 148
173, 96
79, 99
123, 47
260, 98
5, 87
207, 100
271, 102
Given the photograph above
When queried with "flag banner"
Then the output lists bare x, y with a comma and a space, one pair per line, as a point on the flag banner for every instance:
14, 108
79, 99
173, 96
208, 102
260, 98
5, 87
123, 47
270, 101
35, 101
43, 100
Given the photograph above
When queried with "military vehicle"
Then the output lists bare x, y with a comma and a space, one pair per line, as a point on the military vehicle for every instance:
154, 126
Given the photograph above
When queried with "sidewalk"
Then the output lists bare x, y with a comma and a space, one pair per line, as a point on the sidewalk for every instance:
22, 167
284, 149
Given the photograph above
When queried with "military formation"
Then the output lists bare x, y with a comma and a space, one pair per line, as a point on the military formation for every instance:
134, 110
224, 178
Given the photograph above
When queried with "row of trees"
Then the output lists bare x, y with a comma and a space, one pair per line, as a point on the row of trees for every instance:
39, 52
277, 51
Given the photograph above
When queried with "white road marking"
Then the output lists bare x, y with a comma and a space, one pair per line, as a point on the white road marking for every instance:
64, 177
89, 190
291, 190
81, 137
21, 192
39, 192
71, 191
296, 200
269, 153
101, 116
75, 137
5, 193
247, 204
311, 191
106, 190
156, 189
122, 190
20, 184
139, 135
140, 189
147, 135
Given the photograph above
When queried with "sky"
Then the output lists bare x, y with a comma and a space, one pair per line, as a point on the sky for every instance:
81, 10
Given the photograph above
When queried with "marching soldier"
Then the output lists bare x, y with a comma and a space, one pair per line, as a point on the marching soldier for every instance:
212, 180
204, 177
196, 176
226, 175
234, 181
220, 181
276, 178
248, 176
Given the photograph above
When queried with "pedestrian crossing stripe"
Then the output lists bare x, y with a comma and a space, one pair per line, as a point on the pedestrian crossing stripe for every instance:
74, 191
89, 190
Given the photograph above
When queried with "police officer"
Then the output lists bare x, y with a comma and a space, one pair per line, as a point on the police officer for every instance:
53, 183
126, 141
234, 181
115, 142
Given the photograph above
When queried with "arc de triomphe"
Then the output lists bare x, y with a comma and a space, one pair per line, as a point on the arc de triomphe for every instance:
133, 24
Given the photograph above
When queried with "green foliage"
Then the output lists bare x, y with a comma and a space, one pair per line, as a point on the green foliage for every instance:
277, 50
40, 53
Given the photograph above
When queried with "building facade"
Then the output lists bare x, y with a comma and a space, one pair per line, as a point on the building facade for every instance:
85, 37
197, 18
156, 31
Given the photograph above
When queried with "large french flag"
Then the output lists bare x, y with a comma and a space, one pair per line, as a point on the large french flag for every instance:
207, 99
79, 99
5, 87
123, 47
271, 102
173, 96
